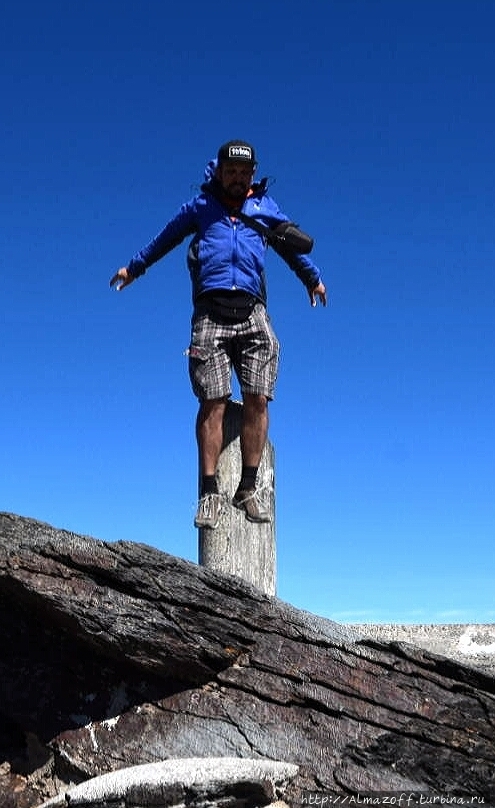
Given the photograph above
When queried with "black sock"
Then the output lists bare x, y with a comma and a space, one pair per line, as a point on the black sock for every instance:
209, 484
248, 478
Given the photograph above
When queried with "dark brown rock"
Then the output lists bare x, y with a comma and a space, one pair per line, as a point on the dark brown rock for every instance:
119, 654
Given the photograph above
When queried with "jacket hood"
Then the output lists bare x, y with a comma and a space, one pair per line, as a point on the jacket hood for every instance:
210, 170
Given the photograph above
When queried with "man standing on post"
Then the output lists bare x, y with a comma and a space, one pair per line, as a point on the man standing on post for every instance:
230, 325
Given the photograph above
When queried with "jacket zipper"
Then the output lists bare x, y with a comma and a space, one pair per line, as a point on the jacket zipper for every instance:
234, 254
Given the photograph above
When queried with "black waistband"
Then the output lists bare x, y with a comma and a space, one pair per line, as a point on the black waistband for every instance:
232, 298
226, 305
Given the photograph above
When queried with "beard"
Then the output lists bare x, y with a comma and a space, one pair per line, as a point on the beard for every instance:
236, 190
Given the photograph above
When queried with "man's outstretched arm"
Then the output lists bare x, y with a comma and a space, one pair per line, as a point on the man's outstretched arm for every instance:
174, 232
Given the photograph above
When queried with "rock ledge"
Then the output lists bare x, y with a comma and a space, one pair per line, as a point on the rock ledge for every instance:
204, 782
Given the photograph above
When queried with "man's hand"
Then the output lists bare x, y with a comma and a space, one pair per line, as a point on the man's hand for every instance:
320, 292
122, 278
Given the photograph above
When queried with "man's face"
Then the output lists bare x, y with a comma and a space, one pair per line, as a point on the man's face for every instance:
235, 177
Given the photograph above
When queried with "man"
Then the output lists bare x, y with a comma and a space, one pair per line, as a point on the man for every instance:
230, 326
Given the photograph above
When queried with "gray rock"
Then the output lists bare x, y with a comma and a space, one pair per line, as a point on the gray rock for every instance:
117, 655
201, 782
471, 644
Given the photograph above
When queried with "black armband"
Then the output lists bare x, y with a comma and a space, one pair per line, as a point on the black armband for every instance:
289, 235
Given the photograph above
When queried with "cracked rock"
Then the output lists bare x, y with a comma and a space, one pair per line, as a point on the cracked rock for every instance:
119, 655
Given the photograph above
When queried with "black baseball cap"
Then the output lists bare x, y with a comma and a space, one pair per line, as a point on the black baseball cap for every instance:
237, 150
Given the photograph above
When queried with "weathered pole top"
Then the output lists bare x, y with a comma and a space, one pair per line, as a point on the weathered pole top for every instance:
237, 546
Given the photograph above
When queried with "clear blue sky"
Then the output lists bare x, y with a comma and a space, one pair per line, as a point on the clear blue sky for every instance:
376, 119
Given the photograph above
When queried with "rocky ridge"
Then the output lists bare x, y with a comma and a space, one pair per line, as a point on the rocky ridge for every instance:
120, 655
470, 644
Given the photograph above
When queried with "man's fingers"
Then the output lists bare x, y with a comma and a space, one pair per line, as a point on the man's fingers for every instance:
121, 278
320, 292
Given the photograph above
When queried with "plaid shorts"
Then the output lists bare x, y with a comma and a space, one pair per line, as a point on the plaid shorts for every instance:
251, 348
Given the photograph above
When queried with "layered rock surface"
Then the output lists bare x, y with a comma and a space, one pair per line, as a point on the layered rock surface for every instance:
117, 655
471, 644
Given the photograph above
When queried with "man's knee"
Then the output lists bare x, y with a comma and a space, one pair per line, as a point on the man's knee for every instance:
255, 403
211, 408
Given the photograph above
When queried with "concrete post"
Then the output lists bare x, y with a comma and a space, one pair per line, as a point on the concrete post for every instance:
236, 546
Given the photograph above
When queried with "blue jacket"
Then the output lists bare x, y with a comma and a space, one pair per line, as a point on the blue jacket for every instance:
225, 253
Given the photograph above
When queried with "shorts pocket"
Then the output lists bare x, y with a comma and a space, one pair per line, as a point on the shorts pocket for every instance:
198, 352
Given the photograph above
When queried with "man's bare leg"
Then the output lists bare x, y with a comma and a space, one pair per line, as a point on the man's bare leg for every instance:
209, 434
254, 431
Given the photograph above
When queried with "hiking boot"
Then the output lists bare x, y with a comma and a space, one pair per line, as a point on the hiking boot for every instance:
248, 500
210, 508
